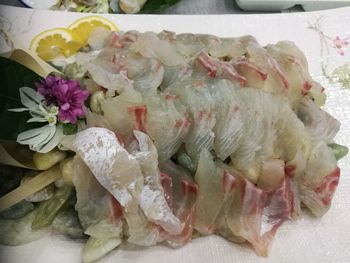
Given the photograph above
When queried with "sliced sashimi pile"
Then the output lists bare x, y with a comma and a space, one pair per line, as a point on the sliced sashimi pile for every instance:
195, 134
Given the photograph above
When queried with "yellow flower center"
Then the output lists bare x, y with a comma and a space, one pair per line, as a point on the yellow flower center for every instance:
51, 120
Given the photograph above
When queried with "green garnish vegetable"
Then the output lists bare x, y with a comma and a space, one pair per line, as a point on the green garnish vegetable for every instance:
67, 223
48, 209
156, 6
186, 162
339, 150
96, 248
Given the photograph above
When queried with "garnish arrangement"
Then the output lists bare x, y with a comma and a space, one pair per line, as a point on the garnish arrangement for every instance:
115, 6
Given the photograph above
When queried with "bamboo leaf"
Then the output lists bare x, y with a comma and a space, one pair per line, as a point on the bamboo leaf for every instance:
13, 77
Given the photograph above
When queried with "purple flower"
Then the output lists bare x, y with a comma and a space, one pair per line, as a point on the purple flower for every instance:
66, 94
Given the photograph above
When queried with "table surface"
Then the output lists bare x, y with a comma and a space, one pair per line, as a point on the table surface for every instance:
191, 7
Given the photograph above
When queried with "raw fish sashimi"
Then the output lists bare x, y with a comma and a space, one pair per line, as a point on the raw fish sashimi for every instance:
194, 133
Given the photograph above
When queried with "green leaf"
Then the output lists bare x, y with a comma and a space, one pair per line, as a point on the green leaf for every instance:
48, 209
157, 6
96, 248
14, 76
69, 128
339, 150
67, 223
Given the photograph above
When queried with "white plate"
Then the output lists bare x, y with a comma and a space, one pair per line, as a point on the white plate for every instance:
306, 240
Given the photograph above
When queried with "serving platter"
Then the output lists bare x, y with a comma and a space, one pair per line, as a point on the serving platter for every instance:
323, 36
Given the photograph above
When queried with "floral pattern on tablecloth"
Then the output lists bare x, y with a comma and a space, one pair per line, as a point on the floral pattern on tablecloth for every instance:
331, 45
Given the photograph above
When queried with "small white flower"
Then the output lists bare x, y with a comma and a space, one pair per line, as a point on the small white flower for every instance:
45, 138
54, 110
51, 119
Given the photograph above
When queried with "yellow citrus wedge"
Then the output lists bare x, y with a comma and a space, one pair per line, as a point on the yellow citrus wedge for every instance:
84, 26
56, 42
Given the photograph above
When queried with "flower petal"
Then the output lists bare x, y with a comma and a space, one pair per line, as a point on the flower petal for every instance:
29, 97
67, 94
36, 137
37, 119
37, 113
53, 142
18, 110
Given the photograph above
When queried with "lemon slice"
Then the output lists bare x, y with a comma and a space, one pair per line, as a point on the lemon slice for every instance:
84, 26
56, 42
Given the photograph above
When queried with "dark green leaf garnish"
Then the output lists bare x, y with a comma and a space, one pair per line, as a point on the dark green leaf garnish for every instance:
157, 6
13, 77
